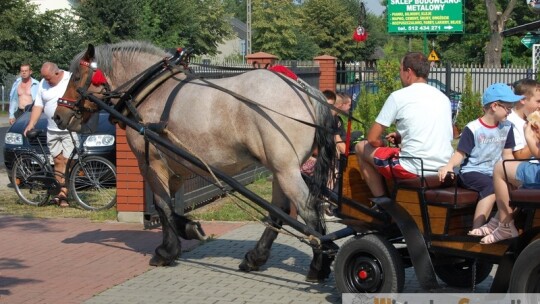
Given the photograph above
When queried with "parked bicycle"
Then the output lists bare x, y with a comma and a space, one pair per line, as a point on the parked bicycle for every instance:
91, 179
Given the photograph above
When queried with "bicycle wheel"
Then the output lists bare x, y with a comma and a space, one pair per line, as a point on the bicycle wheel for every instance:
31, 190
92, 183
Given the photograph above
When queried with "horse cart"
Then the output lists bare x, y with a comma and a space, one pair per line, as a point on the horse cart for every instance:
422, 224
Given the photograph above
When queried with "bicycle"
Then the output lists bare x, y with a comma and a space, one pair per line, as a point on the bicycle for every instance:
91, 179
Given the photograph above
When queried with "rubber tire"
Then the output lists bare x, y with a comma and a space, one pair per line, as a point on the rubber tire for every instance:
378, 257
525, 277
460, 274
25, 166
102, 179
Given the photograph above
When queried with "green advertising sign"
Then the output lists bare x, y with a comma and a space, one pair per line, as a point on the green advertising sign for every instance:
425, 16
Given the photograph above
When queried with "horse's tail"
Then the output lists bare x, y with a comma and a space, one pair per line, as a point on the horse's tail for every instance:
325, 145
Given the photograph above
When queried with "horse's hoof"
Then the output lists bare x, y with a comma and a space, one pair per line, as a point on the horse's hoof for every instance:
158, 261
247, 266
194, 231
315, 277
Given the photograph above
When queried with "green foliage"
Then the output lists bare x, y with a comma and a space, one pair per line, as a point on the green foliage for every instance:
370, 104
19, 36
109, 21
236, 8
201, 24
469, 47
274, 24
331, 27
471, 108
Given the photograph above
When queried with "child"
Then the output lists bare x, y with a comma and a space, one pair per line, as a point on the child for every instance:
483, 142
531, 90
525, 174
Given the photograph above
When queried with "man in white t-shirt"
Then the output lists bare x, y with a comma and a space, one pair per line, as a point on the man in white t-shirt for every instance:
423, 119
52, 86
529, 88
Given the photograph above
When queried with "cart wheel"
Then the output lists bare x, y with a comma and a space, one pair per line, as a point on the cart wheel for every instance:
369, 263
458, 272
525, 276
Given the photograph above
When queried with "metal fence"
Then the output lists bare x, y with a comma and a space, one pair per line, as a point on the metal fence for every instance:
453, 76
307, 70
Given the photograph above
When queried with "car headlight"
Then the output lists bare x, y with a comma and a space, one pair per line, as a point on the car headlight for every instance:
103, 140
13, 138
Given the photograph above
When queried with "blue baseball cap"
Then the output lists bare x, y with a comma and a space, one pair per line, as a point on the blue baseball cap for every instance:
500, 92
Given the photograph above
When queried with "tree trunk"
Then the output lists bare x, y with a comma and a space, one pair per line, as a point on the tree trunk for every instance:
497, 20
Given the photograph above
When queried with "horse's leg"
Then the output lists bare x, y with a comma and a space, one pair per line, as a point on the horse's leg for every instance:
186, 228
258, 256
173, 225
296, 189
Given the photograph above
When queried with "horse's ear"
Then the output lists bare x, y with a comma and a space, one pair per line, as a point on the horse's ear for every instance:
90, 52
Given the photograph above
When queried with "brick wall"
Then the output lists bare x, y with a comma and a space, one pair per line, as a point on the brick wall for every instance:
129, 181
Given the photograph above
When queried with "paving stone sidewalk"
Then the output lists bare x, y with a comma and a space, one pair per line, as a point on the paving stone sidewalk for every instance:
209, 274
71, 260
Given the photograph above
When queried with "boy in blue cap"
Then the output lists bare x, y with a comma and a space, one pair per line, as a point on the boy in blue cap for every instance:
483, 143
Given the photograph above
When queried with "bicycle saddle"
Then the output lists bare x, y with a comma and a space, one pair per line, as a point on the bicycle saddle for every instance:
33, 133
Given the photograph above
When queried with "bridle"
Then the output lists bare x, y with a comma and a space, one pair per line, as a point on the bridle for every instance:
95, 77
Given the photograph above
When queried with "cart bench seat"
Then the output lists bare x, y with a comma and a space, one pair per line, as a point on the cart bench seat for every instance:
525, 198
451, 197
445, 194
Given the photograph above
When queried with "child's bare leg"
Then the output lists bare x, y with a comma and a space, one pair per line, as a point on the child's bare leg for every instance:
483, 209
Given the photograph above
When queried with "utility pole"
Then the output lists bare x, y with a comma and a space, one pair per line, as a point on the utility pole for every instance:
248, 32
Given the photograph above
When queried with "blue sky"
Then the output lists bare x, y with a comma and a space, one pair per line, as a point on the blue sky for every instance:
374, 6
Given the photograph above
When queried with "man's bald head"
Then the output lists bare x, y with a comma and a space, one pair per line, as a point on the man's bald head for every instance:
51, 73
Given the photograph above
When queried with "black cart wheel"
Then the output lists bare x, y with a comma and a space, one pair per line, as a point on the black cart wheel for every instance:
525, 276
458, 272
369, 263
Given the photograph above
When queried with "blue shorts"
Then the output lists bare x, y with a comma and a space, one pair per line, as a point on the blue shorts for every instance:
529, 175
479, 182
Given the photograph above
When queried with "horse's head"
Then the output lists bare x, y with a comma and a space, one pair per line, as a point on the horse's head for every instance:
74, 109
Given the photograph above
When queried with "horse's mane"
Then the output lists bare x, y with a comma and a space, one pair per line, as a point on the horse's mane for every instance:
104, 53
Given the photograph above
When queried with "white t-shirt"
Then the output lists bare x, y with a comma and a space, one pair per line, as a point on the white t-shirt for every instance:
47, 98
423, 117
519, 133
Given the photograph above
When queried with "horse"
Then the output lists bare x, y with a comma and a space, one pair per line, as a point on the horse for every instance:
213, 120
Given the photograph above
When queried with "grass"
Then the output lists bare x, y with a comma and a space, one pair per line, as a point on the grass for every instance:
223, 209
11, 205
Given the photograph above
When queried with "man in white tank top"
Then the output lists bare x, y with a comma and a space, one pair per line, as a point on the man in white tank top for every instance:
52, 86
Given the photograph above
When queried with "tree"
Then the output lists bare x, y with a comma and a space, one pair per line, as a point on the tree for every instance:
497, 21
109, 21
330, 25
200, 24
212, 27
274, 24
236, 8
18, 36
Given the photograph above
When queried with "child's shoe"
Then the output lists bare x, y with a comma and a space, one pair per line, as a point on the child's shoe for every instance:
503, 232
486, 229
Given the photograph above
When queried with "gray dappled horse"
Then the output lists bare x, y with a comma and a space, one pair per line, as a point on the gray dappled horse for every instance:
223, 130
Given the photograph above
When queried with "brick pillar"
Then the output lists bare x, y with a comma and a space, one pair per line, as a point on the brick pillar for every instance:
261, 59
327, 65
129, 182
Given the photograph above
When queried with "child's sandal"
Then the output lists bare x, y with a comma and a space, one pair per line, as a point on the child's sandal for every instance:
485, 229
